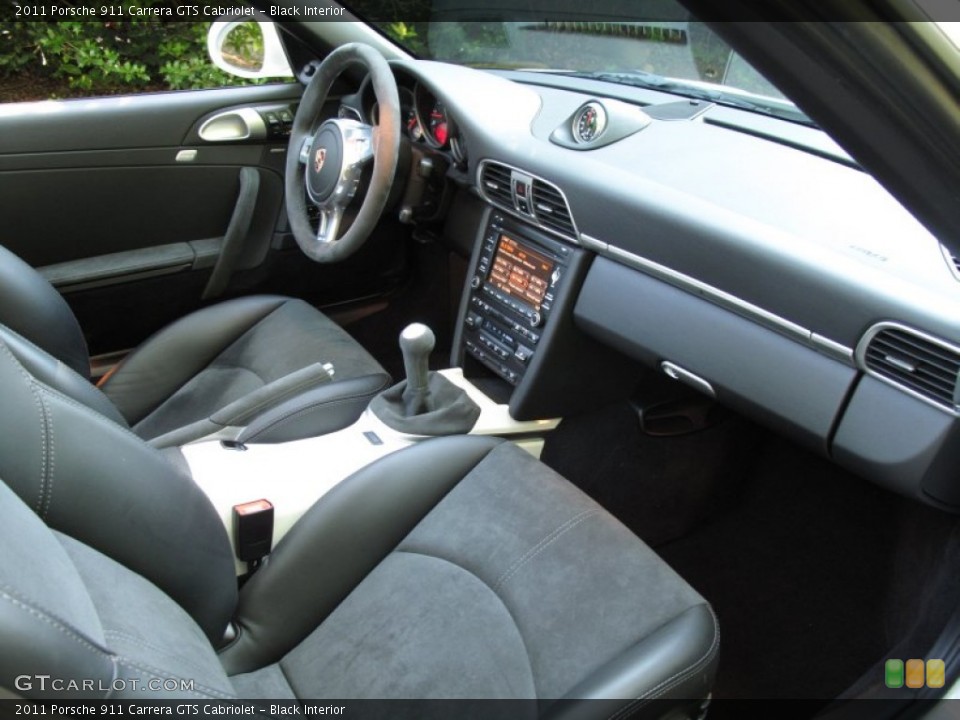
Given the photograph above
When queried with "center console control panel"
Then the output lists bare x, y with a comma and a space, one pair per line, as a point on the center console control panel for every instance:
512, 291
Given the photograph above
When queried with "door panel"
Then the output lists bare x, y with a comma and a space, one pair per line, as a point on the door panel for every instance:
131, 121
100, 197
124, 206
94, 211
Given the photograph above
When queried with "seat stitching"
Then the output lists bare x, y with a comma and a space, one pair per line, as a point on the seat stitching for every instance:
98, 416
51, 465
544, 543
44, 616
10, 595
60, 365
157, 674
523, 640
675, 679
43, 424
129, 637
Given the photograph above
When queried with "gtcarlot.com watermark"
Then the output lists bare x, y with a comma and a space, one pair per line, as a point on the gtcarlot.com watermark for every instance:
27, 683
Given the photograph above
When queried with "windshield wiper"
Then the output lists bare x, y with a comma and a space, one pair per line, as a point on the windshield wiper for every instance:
710, 92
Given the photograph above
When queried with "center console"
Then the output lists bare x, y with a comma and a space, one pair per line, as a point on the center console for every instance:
518, 274
517, 355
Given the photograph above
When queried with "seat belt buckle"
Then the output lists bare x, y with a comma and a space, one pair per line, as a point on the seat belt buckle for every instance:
253, 531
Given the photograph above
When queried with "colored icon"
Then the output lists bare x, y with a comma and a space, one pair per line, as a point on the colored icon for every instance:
893, 673
915, 673
935, 673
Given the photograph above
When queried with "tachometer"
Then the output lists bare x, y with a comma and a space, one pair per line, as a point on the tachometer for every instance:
437, 124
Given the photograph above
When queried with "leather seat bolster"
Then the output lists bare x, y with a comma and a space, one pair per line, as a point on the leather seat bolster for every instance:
57, 374
319, 411
97, 482
31, 306
165, 361
340, 540
676, 662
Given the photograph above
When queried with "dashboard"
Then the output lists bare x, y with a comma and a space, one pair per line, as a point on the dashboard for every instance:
746, 256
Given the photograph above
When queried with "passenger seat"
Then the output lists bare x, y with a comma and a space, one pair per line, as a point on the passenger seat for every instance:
459, 568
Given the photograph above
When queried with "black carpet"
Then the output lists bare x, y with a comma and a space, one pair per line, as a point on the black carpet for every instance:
815, 574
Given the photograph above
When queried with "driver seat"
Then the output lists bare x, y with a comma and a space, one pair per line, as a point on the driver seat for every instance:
269, 360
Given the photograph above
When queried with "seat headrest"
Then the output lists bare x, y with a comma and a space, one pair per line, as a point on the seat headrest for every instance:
32, 307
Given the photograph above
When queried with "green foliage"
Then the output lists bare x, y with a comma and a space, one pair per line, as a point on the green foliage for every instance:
405, 34
94, 57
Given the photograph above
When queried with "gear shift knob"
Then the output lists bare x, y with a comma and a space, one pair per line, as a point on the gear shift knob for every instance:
416, 344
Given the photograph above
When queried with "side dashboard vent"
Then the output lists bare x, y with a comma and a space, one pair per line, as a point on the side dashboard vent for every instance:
924, 365
495, 180
551, 209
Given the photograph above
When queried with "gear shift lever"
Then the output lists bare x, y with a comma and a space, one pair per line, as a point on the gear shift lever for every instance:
416, 344
426, 403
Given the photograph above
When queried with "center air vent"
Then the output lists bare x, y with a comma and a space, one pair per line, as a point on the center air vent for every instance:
528, 196
495, 183
551, 208
919, 363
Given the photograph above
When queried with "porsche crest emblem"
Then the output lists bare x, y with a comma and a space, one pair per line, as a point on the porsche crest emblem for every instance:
318, 159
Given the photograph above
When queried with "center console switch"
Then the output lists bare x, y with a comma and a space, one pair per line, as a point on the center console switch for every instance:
518, 274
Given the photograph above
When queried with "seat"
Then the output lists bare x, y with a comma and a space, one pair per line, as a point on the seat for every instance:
219, 367
458, 568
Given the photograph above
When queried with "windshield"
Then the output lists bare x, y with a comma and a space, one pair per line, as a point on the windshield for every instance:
645, 43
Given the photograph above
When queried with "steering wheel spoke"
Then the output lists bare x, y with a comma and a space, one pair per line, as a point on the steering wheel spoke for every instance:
304, 155
330, 218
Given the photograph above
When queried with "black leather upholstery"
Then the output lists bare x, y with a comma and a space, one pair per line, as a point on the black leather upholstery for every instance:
86, 476
30, 306
170, 389
460, 568
168, 359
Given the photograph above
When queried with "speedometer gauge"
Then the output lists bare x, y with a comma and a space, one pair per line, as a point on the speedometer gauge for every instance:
589, 122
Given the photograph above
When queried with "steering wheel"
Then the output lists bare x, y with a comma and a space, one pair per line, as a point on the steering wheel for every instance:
325, 162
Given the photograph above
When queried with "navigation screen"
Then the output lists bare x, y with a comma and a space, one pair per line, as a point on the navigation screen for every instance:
520, 272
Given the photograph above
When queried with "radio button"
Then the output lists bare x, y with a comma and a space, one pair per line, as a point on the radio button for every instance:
523, 354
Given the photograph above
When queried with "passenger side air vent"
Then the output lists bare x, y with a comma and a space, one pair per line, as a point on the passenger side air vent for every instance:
527, 196
551, 209
924, 365
495, 183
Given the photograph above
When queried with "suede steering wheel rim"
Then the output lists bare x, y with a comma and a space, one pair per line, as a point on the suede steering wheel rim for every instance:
325, 161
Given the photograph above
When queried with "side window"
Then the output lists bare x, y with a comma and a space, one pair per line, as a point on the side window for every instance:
91, 57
